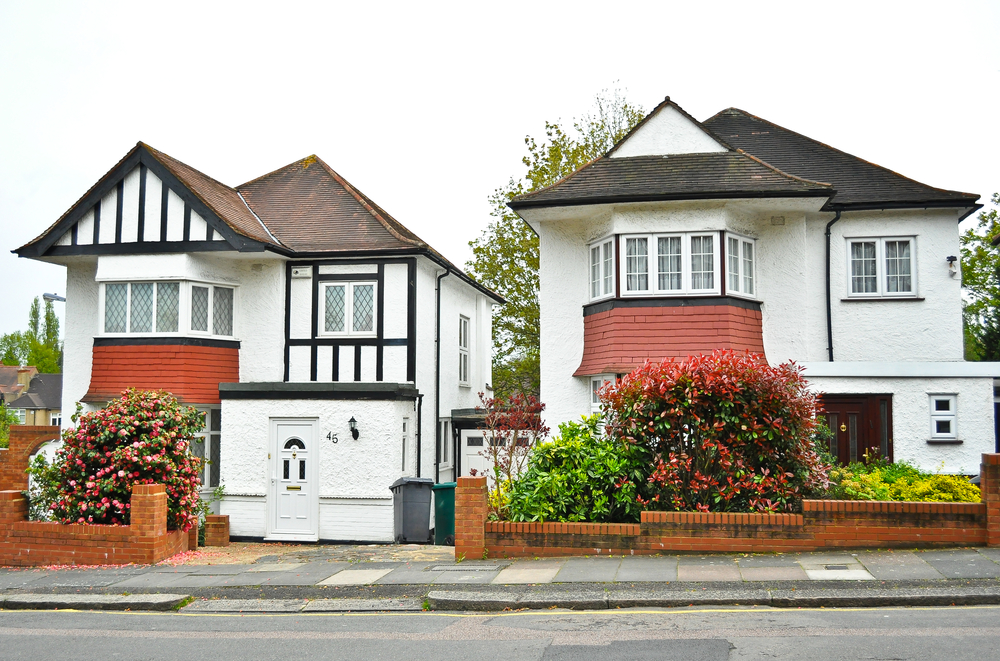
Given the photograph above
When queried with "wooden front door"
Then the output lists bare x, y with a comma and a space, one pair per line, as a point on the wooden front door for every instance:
860, 424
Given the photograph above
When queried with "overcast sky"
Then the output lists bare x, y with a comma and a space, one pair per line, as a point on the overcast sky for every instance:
424, 107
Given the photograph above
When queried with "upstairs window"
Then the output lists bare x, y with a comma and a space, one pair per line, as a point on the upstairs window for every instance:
213, 304
463, 351
602, 269
348, 308
739, 265
681, 263
881, 267
156, 307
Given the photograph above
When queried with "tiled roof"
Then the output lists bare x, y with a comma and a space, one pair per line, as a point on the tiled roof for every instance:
729, 174
44, 392
857, 182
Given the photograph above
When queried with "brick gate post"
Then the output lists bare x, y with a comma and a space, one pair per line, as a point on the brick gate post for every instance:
470, 517
989, 488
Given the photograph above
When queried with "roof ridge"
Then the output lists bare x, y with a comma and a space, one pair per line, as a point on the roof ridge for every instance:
782, 172
667, 102
839, 151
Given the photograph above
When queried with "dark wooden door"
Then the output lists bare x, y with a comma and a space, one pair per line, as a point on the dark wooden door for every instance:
861, 424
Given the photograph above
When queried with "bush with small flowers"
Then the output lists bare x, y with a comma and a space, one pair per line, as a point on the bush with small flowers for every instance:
143, 437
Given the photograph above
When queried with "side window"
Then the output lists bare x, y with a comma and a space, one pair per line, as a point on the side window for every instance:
739, 265
596, 383
602, 274
208, 446
881, 267
944, 416
463, 350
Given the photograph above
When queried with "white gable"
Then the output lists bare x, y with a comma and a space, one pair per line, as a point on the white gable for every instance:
667, 132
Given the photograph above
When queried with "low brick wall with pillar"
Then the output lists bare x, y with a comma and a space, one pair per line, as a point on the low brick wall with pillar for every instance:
823, 524
24, 441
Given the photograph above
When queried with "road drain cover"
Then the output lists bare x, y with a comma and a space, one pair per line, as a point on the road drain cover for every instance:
840, 567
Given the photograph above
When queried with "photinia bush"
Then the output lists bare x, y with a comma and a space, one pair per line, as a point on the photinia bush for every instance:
143, 437
727, 432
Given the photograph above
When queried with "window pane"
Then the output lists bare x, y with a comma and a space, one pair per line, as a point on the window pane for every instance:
942, 404
115, 307
702, 262
364, 308
608, 264
733, 255
302, 469
595, 272
897, 266
198, 450
668, 263
142, 308
637, 264
199, 308
942, 426
216, 467
222, 311
167, 306
595, 385
334, 316
748, 267
863, 277
216, 420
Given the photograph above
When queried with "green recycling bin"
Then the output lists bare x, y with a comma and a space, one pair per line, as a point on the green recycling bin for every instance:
444, 513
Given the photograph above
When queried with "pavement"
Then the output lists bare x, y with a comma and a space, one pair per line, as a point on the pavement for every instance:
407, 578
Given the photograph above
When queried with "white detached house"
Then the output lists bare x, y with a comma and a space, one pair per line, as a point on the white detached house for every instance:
738, 233
327, 343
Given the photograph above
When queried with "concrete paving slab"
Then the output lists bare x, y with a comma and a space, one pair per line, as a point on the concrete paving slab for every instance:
961, 563
238, 580
158, 581
355, 577
768, 560
10, 580
898, 566
245, 606
647, 569
82, 578
991, 553
112, 602
467, 578
713, 572
222, 570
363, 605
520, 573
276, 567
727, 560
839, 575
193, 581
588, 570
782, 573
816, 560
416, 573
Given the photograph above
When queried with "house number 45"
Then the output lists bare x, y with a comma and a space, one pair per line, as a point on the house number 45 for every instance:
330, 436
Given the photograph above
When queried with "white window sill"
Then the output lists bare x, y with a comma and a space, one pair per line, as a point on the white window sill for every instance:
869, 299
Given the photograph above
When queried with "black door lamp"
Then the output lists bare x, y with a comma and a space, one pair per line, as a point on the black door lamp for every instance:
353, 424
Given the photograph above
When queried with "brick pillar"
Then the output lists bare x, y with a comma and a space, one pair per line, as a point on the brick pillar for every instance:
23, 441
192, 543
217, 530
470, 517
149, 510
989, 488
13, 508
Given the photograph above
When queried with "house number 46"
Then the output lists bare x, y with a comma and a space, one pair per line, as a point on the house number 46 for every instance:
330, 436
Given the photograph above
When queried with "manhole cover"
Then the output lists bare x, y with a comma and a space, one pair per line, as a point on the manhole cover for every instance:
840, 567
467, 568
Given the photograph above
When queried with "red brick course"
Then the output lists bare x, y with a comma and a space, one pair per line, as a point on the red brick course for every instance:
191, 373
622, 339
823, 524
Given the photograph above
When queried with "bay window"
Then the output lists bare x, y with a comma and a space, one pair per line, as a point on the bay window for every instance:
676, 263
156, 308
739, 265
602, 272
881, 267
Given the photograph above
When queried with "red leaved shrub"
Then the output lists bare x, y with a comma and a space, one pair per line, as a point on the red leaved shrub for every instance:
139, 438
728, 432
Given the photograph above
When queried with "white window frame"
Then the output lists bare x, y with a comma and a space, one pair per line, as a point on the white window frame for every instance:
881, 272
444, 428
183, 314
205, 434
605, 249
348, 331
464, 326
652, 273
55, 419
596, 382
406, 449
951, 415
742, 243
22, 415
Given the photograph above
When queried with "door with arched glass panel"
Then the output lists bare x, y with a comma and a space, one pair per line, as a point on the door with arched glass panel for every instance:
294, 502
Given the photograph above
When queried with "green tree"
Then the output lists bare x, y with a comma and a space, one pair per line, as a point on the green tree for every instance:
981, 282
505, 256
39, 345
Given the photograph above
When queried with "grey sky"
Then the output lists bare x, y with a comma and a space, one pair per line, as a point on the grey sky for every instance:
424, 107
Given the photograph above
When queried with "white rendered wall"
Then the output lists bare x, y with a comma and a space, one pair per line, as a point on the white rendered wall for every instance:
354, 476
667, 132
81, 325
911, 418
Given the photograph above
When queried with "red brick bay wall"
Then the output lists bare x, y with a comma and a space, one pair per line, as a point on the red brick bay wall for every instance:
622, 339
823, 524
190, 373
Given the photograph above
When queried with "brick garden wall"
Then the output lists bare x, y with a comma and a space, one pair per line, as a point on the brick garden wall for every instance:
823, 524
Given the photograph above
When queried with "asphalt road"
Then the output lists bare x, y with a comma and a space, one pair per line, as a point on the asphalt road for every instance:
954, 633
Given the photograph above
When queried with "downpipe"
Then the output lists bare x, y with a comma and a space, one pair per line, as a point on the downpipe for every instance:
829, 293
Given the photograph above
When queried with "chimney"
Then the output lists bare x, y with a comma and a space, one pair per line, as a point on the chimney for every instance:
24, 375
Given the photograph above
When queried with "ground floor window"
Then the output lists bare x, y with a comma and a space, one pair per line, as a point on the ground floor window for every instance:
56, 420
444, 450
943, 416
208, 446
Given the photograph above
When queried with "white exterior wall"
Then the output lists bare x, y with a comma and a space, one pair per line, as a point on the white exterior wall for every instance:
911, 421
667, 132
354, 476
80, 327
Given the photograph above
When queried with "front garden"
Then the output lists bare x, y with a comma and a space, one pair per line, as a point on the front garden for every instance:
716, 433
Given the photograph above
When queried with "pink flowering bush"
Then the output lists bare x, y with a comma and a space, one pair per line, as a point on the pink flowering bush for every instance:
143, 437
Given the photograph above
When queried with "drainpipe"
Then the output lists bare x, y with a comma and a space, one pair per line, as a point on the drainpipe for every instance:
437, 386
829, 302
420, 410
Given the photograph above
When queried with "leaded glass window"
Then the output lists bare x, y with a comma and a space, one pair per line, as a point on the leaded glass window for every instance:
199, 308
222, 311
336, 309
167, 306
115, 308
364, 308
142, 307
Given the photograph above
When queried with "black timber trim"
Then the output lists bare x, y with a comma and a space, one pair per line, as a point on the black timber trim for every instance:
672, 302
73, 236
357, 362
336, 362
148, 248
288, 314
379, 321
625, 199
119, 209
165, 341
97, 223
330, 390
347, 340
164, 203
411, 320
187, 222
141, 227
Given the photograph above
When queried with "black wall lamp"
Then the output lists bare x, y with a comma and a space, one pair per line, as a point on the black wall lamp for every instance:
353, 424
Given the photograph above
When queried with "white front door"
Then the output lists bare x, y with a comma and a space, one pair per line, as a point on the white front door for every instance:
294, 498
